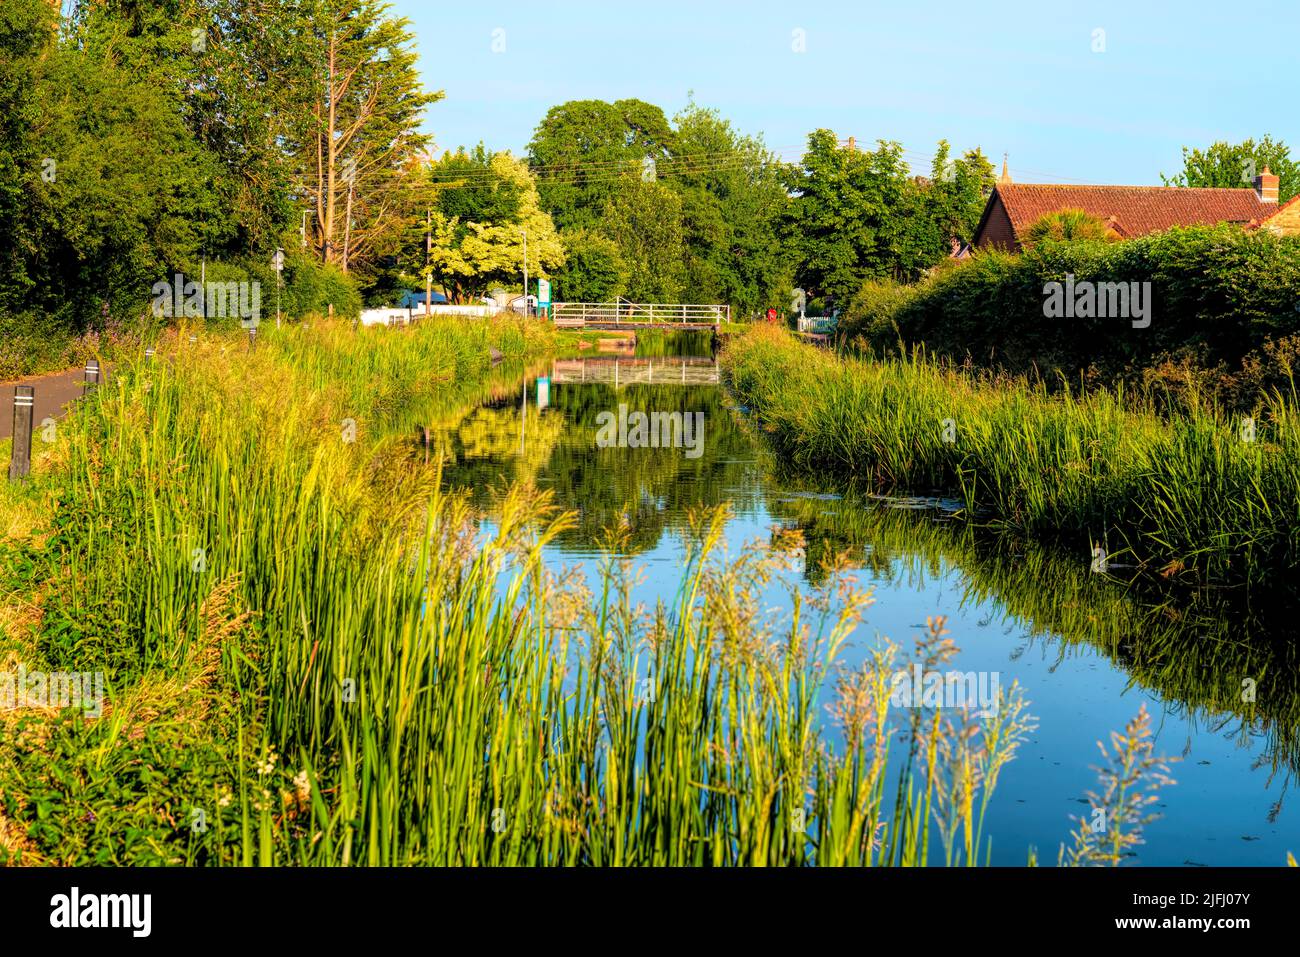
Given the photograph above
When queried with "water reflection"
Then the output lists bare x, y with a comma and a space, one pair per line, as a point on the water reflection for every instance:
1221, 674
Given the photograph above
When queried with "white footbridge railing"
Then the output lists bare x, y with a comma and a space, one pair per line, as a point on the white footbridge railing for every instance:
622, 312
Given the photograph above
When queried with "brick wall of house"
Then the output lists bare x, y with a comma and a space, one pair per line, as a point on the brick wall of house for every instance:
997, 231
1286, 221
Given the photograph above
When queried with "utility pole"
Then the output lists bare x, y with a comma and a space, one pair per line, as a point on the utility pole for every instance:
304, 230
428, 264
525, 234
278, 262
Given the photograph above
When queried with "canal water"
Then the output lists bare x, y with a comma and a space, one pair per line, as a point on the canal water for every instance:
1087, 649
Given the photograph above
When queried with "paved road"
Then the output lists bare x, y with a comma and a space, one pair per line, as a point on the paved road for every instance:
53, 392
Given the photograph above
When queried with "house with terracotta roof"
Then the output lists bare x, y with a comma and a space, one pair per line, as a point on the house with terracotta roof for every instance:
1132, 211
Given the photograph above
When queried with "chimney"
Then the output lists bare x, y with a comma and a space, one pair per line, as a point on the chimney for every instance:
1266, 186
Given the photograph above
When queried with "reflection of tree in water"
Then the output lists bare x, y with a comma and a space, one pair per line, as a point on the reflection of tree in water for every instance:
650, 488
483, 449
1195, 650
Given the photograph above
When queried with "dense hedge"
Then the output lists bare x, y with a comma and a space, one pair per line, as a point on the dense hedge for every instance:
33, 342
1222, 298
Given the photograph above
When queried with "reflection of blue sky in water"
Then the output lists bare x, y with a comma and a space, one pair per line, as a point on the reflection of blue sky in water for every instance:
1216, 813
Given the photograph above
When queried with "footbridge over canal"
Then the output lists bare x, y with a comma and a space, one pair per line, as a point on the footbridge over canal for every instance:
624, 315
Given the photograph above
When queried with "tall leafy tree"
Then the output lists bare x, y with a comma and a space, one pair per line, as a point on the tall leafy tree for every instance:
862, 216
644, 219
485, 205
122, 190
352, 129
956, 194
1235, 165
845, 218
733, 205
593, 270
582, 149
26, 34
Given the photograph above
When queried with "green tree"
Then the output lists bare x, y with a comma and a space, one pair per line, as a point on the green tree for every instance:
957, 193
485, 205
26, 31
1236, 166
845, 216
644, 219
862, 216
122, 193
582, 149
593, 270
734, 203
353, 106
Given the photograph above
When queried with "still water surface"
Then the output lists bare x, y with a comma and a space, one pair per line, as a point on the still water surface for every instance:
1087, 651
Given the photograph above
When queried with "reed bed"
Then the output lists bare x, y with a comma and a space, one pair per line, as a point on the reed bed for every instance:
316, 655
1196, 494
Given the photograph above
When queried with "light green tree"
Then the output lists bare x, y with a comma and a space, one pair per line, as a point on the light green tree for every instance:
470, 255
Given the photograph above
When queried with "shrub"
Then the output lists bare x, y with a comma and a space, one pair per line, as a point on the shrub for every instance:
312, 287
1222, 299
1068, 225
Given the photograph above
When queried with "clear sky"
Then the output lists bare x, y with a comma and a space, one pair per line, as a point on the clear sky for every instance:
1021, 78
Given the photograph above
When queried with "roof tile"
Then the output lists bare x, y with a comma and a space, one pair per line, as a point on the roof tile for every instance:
1138, 210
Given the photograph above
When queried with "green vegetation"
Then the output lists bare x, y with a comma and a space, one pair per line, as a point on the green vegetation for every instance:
145, 140
860, 216
1067, 226
304, 642
485, 204
1235, 166
1201, 496
1223, 317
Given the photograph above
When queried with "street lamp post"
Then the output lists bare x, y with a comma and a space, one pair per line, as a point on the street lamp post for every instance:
525, 235
278, 262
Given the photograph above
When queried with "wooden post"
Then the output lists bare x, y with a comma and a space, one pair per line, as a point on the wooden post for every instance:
252, 337
21, 463
148, 354
92, 376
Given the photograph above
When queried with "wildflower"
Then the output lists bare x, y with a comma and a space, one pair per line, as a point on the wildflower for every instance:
302, 786
267, 764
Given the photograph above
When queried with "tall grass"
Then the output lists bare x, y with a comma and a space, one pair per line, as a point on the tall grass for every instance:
1187, 495
318, 656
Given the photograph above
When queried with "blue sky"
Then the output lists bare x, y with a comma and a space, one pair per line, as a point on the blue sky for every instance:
1016, 78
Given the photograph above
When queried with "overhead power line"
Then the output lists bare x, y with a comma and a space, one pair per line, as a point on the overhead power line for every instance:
579, 177
692, 163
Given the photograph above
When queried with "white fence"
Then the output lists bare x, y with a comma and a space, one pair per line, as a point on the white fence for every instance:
819, 324
399, 317
621, 311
